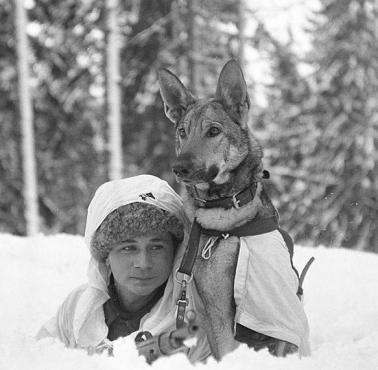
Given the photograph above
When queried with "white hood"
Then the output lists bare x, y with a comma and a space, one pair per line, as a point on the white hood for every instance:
114, 194
108, 197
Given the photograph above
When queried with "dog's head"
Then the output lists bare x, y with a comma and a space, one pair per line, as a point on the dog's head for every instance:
212, 137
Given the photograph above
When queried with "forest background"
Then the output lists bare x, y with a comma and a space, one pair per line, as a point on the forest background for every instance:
316, 114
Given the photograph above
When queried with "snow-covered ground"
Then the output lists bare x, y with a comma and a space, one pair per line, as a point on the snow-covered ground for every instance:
341, 300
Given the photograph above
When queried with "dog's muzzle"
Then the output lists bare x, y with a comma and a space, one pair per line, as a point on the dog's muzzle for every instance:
186, 168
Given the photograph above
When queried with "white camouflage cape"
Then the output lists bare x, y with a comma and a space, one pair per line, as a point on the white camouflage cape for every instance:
265, 290
80, 321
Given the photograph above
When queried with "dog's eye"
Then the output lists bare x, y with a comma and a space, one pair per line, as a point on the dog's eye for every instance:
213, 131
181, 132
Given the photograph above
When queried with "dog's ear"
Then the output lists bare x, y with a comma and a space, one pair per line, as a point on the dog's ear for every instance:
175, 95
232, 92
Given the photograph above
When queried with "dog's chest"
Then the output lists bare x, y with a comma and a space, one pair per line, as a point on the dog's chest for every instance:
215, 276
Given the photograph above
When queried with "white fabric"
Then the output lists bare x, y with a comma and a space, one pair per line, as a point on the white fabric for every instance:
265, 291
80, 320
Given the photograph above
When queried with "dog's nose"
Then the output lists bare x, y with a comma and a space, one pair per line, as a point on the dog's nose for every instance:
181, 170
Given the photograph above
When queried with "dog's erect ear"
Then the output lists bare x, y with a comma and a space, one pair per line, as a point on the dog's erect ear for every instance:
232, 92
175, 95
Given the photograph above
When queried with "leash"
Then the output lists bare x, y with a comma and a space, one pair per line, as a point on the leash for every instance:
186, 268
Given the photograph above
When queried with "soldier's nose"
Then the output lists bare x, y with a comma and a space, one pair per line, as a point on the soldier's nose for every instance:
143, 261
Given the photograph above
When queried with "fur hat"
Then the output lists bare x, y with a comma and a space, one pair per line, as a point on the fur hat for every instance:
132, 220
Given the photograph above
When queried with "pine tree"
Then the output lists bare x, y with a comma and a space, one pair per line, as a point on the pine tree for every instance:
282, 127
69, 91
68, 51
342, 208
160, 37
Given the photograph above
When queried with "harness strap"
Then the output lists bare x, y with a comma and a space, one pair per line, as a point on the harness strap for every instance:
191, 250
182, 302
302, 276
186, 268
251, 228
257, 227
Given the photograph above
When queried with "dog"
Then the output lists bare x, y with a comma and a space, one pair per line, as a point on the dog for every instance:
217, 158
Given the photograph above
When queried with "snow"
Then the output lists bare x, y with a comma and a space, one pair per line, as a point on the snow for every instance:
341, 301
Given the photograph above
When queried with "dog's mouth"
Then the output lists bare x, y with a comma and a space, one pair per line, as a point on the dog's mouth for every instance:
212, 181
198, 176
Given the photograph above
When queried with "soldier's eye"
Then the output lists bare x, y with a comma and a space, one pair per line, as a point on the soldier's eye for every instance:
213, 131
181, 133
128, 248
157, 247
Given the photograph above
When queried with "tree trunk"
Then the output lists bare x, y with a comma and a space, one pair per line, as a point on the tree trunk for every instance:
192, 42
113, 89
241, 33
26, 115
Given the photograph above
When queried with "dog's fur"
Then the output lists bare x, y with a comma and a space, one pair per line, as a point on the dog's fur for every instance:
217, 156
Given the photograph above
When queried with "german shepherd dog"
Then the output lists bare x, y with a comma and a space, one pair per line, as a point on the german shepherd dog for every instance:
217, 157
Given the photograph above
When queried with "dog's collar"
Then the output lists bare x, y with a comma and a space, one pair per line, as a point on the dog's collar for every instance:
237, 200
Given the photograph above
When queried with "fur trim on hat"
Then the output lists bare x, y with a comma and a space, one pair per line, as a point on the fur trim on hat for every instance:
132, 220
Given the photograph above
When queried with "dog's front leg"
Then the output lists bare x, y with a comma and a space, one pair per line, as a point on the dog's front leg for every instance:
215, 282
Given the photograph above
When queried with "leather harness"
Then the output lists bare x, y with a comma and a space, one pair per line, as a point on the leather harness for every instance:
254, 227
